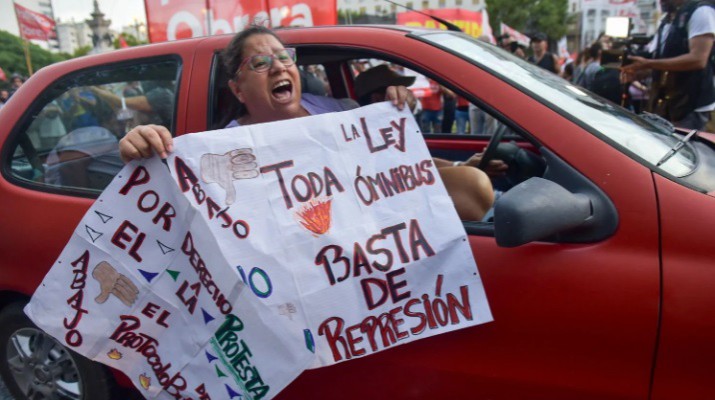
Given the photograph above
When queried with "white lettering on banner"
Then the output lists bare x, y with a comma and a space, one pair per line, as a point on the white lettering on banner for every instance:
187, 18
301, 15
218, 25
298, 15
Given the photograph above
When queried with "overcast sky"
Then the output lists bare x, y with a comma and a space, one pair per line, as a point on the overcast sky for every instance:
121, 12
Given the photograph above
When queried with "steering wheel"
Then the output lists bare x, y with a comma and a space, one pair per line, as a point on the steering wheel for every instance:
490, 151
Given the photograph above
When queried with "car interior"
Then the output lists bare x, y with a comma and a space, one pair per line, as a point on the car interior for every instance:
71, 141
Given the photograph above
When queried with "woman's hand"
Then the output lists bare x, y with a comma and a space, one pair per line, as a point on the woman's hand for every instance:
144, 140
399, 95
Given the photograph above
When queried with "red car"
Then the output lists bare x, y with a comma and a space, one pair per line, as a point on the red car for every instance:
596, 264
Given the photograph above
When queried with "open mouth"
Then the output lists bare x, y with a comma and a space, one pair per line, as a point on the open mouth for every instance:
282, 90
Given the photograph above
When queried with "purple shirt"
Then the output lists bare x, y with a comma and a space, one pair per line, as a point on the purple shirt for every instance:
317, 105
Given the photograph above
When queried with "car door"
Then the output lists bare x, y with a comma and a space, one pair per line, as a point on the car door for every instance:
685, 352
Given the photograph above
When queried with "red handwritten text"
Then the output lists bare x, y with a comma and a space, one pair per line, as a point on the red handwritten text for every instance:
339, 267
205, 278
188, 181
403, 178
387, 135
74, 337
385, 330
303, 187
128, 336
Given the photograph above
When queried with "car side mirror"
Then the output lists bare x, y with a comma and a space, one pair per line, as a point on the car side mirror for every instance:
537, 209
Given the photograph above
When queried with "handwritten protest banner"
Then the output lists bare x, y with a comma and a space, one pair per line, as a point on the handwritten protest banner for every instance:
262, 251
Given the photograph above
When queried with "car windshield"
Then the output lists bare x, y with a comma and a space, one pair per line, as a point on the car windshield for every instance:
644, 139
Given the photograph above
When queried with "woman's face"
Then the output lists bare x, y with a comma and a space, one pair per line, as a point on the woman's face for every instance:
269, 95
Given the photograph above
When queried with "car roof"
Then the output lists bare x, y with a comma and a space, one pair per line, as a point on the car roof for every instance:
182, 45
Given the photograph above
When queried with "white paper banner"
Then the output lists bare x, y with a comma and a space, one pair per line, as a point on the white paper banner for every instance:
262, 251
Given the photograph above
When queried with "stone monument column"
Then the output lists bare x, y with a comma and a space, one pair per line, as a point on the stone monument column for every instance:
101, 38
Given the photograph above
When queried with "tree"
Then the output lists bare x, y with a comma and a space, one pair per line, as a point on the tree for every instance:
81, 51
548, 16
12, 55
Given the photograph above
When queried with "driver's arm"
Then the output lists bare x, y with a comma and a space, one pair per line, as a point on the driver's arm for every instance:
495, 167
442, 163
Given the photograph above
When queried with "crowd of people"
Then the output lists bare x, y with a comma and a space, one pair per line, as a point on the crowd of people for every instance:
673, 76
16, 80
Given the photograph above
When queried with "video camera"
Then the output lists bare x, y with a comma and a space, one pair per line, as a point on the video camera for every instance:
624, 44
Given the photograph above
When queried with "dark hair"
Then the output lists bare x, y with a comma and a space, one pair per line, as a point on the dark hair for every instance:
568, 69
539, 37
232, 55
595, 50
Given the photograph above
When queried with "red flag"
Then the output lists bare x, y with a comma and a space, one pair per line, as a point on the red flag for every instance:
3, 77
122, 42
34, 25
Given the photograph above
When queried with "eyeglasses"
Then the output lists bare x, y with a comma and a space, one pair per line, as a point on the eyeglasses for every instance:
263, 62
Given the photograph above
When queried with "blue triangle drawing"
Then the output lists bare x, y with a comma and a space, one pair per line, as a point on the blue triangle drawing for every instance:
148, 275
232, 393
207, 317
104, 217
211, 357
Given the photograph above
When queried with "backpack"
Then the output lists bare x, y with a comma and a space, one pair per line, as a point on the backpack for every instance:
607, 84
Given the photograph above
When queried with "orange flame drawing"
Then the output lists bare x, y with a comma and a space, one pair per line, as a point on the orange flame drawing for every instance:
315, 215
114, 354
145, 381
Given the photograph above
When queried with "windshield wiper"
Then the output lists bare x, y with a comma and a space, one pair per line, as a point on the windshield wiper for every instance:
656, 119
676, 148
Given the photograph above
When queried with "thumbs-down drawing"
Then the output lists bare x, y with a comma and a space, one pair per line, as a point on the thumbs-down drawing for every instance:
226, 168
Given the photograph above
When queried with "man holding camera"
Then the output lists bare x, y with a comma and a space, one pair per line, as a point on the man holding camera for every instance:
683, 90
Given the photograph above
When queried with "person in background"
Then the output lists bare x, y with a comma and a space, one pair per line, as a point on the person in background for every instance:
15, 82
432, 109
567, 72
449, 105
605, 41
132, 89
541, 56
683, 64
638, 94
310, 82
157, 103
504, 41
579, 64
593, 65
461, 114
78, 108
507, 43
4, 97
